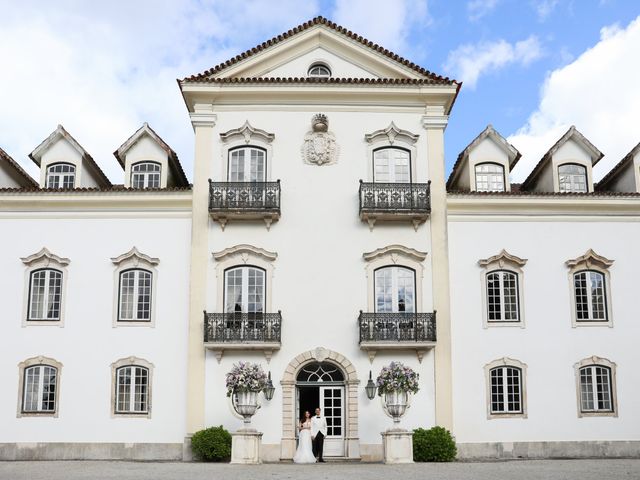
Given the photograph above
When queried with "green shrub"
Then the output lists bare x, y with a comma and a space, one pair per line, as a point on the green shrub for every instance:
433, 445
212, 444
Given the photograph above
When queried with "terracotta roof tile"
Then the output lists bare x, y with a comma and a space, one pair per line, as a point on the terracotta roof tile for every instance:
528, 193
113, 188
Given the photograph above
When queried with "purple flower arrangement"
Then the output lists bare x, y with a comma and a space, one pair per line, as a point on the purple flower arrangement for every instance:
245, 376
397, 377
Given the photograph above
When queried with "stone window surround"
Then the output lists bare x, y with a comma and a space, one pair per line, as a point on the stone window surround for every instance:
245, 136
506, 362
134, 259
245, 255
590, 261
555, 165
502, 261
41, 260
125, 362
603, 362
473, 163
392, 136
32, 362
394, 256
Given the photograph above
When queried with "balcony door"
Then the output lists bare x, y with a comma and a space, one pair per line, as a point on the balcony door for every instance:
395, 289
247, 164
391, 165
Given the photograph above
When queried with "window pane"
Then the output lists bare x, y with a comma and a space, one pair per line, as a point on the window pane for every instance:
61, 175
45, 295
123, 394
603, 383
586, 389
572, 178
391, 165
489, 177
497, 390
513, 389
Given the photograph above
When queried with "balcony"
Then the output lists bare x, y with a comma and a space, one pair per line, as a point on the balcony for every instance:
395, 201
242, 331
397, 331
244, 201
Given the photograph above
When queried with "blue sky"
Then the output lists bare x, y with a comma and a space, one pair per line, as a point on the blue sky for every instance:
530, 67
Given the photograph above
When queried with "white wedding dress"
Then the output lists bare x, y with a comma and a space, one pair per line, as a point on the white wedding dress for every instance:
304, 454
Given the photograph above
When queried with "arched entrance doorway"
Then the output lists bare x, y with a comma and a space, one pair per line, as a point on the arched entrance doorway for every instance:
323, 378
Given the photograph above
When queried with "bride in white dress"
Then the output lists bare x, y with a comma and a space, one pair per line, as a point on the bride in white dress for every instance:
304, 454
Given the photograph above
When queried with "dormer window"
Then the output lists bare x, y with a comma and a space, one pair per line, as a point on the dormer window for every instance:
572, 178
145, 175
489, 177
61, 175
319, 70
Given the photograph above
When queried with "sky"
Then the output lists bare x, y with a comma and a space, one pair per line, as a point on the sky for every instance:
531, 68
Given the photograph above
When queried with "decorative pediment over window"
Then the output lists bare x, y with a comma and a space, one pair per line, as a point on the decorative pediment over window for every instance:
503, 258
590, 259
135, 257
245, 252
390, 134
249, 134
393, 251
46, 257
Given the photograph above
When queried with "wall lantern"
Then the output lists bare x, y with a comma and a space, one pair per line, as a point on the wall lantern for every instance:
269, 389
371, 388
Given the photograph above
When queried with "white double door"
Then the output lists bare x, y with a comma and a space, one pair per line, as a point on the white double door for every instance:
331, 401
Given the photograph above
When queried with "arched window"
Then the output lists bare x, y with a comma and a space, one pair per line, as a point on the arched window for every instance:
502, 296
39, 389
132, 390
320, 372
395, 289
134, 299
596, 387
572, 178
61, 175
247, 164
244, 290
145, 175
45, 295
319, 70
590, 296
506, 389
391, 165
490, 177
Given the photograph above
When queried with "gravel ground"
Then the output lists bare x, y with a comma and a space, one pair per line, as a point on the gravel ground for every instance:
517, 469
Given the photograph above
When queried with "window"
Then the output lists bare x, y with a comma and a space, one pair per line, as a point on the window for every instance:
45, 295
596, 387
506, 390
319, 70
145, 175
502, 296
61, 175
489, 177
572, 178
391, 165
395, 290
39, 394
135, 296
247, 164
590, 297
132, 389
244, 290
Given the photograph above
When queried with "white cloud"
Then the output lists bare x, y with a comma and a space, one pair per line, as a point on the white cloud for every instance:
476, 9
103, 68
468, 62
599, 93
544, 8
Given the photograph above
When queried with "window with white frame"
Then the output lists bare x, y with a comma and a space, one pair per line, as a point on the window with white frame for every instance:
506, 390
502, 296
39, 389
145, 175
61, 175
244, 289
490, 177
247, 164
596, 393
391, 165
132, 390
45, 295
134, 303
395, 289
590, 296
572, 178
319, 70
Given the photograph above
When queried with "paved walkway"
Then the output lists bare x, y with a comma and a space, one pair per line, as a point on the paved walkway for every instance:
518, 469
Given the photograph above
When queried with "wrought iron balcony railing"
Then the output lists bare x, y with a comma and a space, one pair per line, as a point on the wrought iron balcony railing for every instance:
238, 197
397, 327
398, 198
239, 327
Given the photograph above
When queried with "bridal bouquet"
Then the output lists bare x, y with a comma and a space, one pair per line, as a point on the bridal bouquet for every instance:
246, 376
397, 377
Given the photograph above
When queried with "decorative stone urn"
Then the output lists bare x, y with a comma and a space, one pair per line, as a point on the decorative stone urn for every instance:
397, 402
246, 405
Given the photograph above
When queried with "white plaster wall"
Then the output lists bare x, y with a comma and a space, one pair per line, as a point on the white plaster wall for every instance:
625, 181
146, 149
340, 67
319, 281
8, 178
88, 343
548, 345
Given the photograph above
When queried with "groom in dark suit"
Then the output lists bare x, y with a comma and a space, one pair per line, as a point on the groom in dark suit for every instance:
318, 432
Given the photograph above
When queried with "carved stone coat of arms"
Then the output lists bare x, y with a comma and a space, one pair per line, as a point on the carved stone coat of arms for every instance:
320, 147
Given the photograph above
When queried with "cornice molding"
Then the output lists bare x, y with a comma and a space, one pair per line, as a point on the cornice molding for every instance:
247, 132
245, 250
135, 256
589, 259
391, 133
395, 250
47, 256
502, 258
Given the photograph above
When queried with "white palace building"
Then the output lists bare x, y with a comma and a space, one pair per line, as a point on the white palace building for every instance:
321, 239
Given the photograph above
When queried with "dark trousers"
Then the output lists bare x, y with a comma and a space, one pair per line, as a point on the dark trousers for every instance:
318, 445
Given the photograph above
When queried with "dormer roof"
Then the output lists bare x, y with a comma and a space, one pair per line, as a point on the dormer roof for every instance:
571, 134
146, 130
58, 134
620, 167
22, 177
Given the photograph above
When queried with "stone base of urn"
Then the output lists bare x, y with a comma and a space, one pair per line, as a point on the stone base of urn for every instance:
246, 447
397, 446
